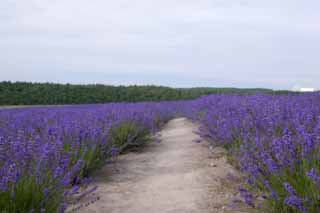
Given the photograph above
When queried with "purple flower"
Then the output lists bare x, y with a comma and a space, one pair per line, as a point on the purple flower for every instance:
295, 202
273, 193
272, 165
289, 189
247, 196
313, 175
46, 192
58, 172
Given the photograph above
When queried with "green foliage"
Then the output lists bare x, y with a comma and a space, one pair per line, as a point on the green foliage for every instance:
94, 157
30, 195
128, 135
23, 93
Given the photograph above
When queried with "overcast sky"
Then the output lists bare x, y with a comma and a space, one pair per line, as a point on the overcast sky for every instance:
181, 43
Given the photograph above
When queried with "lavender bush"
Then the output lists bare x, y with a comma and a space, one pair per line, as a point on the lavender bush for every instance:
275, 141
45, 153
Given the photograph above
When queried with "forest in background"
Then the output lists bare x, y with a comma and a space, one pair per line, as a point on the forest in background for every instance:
25, 93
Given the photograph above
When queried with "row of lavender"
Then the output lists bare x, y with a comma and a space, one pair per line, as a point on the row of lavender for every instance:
275, 140
47, 152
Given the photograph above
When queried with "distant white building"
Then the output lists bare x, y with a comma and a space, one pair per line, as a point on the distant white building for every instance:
307, 90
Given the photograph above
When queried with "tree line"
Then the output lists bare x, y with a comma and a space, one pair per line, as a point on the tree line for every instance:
25, 93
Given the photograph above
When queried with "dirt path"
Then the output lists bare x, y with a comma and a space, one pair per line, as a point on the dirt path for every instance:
177, 175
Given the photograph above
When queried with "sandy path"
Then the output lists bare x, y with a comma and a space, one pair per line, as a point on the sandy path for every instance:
176, 175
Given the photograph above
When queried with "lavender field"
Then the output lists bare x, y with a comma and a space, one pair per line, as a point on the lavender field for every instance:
48, 154
274, 141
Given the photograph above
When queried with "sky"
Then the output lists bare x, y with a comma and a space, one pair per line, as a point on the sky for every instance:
179, 43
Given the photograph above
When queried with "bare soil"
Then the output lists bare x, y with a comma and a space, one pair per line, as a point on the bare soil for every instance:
177, 175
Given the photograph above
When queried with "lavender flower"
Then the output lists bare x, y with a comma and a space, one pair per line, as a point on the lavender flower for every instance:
295, 202
248, 197
313, 175
289, 189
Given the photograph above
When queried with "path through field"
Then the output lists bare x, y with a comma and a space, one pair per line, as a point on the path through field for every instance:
177, 175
